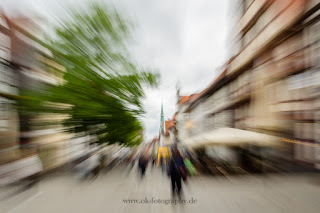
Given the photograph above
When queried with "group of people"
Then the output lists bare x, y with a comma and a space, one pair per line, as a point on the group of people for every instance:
177, 168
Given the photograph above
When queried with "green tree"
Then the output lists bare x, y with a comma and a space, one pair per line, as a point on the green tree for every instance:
103, 85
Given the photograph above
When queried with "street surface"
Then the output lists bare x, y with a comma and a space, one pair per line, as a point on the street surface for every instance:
262, 194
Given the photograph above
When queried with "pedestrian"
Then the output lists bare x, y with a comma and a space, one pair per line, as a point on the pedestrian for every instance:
95, 165
177, 171
143, 162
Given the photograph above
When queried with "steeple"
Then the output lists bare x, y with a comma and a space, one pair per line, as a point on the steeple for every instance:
161, 108
162, 120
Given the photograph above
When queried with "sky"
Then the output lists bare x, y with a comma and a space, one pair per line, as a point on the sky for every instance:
184, 40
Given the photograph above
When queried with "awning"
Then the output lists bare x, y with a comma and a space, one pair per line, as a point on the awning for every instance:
232, 136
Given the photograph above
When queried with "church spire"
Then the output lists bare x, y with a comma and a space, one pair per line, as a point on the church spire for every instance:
162, 120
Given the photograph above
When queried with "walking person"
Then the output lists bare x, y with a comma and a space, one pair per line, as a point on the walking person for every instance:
176, 171
143, 162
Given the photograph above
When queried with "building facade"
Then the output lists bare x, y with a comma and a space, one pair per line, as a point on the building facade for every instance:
269, 89
28, 145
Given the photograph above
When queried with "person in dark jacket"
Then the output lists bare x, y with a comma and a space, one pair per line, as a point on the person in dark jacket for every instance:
143, 162
177, 171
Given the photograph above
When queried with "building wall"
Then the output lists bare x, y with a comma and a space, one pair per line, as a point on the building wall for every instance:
9, 137
22, 67
182, 117
272, 81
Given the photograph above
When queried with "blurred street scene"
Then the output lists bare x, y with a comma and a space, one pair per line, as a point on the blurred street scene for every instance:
72, 96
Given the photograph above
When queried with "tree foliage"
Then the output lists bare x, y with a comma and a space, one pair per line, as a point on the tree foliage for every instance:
102, 84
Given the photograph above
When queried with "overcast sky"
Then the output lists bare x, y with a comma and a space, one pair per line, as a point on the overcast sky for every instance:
185, 40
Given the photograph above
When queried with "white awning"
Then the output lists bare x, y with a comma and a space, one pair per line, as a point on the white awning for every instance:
232, 136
